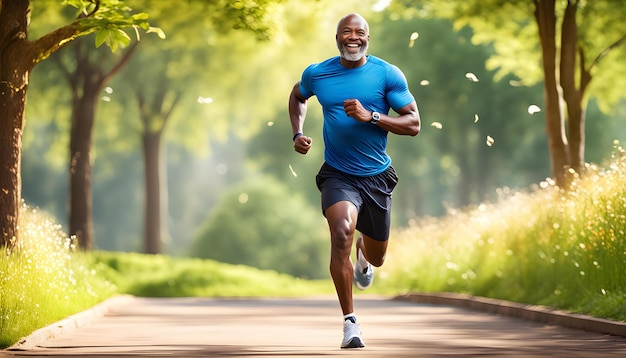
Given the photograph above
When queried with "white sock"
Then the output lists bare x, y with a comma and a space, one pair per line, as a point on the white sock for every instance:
349, 315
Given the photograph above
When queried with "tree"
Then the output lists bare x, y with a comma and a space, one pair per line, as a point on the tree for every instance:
87, 77
18, 56
87, 71
564, 43
181, 67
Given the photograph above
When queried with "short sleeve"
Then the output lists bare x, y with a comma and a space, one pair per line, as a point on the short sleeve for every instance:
398, 94
305, 82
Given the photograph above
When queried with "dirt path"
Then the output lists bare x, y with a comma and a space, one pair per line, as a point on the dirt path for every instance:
306, 327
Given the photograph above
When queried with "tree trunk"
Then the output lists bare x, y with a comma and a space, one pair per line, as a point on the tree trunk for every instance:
87, 81
14, 75
555, 128
572, 95
12, 104
80, 211
152, 222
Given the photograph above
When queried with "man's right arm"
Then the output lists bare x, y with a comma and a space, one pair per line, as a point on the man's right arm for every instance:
297, 115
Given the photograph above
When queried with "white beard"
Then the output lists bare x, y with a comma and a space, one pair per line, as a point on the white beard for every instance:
353, 57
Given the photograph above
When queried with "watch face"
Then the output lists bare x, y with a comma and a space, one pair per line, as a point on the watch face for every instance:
375, 116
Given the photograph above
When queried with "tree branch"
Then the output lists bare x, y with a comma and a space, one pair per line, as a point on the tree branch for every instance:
48, 44
606, 51
118, 66
95, 9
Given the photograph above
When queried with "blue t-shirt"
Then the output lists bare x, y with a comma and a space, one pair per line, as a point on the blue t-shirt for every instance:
351, 146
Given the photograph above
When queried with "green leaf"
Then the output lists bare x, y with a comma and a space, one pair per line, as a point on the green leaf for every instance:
101, 36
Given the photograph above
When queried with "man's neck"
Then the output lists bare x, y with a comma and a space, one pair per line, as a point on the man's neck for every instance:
353, 64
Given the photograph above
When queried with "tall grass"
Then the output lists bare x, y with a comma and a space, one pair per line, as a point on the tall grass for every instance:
42, 280
545, 246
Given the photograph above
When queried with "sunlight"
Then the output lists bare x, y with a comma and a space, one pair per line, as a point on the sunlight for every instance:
381, 5
205, 100
221, 169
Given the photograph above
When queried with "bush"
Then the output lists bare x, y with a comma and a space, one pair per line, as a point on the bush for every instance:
260, 223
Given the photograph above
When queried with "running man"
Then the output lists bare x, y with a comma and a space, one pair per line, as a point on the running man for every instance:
356, 92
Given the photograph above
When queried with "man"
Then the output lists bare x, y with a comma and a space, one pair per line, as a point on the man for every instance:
356, 91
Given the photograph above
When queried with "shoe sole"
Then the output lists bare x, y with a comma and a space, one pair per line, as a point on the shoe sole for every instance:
355, 342
359, 285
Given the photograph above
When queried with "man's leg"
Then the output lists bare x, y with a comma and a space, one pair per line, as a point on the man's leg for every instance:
374, 251
341, 219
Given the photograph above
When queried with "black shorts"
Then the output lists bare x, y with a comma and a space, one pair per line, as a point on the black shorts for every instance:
371, 196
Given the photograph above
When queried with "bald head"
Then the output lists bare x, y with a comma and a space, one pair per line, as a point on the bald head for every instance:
354, 17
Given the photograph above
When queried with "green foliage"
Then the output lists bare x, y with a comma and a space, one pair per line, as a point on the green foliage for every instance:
261, 223
108, 19
510, 26
546, 247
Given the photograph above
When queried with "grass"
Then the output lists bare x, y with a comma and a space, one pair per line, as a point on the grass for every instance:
41, 281
166, 276
542, 246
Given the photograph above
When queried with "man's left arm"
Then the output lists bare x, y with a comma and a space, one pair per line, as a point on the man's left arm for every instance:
407, 123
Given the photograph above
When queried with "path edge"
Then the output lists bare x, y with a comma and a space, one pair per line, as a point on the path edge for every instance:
534, 313
70, 323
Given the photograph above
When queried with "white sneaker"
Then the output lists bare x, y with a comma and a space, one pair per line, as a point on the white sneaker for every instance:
351, 334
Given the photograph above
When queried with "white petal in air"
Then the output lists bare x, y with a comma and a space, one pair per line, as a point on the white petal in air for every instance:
489, 141
424, 82
472, 77
436, 125
412, 39
292, 171
533, 108
475, 118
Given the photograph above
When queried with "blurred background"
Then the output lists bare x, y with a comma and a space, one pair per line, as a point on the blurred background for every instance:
200, 120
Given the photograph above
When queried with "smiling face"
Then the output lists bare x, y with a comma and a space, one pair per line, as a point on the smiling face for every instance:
352, 39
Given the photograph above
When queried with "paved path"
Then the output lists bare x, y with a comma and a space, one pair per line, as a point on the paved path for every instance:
306, 327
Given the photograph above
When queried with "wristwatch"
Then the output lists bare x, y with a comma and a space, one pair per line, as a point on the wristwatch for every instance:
375, 118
